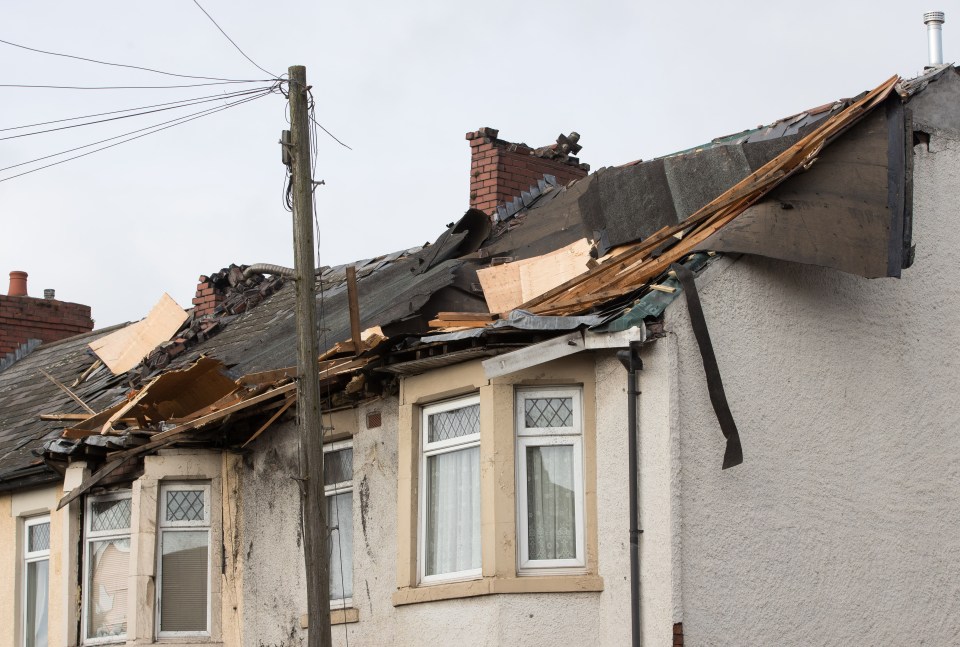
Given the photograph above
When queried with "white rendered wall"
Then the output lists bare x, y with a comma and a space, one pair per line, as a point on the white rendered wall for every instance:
842, 526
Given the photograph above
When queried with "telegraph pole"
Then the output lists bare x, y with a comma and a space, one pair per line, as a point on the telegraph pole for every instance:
310, 426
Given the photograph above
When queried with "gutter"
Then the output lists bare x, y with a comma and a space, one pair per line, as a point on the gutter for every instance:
28, 478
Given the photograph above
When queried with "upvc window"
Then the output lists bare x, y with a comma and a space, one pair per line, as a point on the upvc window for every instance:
449, 537
183, 574
36, 576
550, 493
338, 488
106, 568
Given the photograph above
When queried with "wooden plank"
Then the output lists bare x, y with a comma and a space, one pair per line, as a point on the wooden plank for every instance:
715, 214
466, 316
326, 367
441, 323
63, 388
223, 413
353, 303
64, 417
124, 349
286, 405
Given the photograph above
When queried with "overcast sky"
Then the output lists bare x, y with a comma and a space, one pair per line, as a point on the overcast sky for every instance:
400, 82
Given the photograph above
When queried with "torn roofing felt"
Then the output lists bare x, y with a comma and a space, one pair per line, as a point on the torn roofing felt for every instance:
404, 292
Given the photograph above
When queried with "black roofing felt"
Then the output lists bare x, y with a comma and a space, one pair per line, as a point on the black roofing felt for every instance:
401, 291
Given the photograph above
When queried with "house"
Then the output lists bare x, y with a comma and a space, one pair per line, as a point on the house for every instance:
476, 457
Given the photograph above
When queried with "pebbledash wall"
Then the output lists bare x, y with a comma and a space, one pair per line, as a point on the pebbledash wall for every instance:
841, 526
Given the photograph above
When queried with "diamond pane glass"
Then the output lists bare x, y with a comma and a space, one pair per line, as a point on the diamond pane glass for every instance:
185, 505
454, 423
338, 466
548, 412
110, 515
39, 537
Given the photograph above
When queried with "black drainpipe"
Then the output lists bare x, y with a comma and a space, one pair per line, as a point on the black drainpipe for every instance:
631, 361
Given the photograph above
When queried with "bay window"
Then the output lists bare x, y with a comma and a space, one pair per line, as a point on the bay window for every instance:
183, 574
36, 575
107, 567
450, 494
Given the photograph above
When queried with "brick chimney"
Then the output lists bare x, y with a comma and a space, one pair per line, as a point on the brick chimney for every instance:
500, 170
23, 317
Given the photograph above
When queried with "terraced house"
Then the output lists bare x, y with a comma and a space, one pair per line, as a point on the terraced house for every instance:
765, 323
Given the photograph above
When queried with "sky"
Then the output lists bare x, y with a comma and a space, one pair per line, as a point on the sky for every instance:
400, 83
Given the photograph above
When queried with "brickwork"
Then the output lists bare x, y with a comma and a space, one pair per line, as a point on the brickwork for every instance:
678, 635
49, 320
500, 170
208, 297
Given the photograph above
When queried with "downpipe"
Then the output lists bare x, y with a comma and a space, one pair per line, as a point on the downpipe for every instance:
631, 361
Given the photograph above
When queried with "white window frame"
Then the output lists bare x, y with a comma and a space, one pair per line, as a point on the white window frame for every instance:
541, 437
428, 449
30, 557
163, 527
343, 487
90, 536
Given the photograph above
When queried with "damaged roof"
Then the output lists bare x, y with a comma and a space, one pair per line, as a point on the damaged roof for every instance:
427, 305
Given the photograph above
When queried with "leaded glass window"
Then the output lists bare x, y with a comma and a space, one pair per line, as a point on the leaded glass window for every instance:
106, 568
450, 491
550, 490
183, 574
35, 583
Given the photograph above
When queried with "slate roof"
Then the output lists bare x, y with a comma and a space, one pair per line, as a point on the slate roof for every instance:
403, 290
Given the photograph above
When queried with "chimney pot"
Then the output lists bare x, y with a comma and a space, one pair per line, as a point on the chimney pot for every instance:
49, 293
18, 284
934, 21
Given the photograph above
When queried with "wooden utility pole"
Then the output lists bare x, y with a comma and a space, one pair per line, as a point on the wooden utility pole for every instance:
310, 426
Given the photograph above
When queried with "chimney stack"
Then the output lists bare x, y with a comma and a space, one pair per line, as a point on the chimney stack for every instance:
501, 171
934, 21
18, 284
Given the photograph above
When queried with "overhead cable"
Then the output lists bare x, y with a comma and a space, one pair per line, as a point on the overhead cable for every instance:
179, 121
116, 112
139, 114
126, 87
232, 41
132, 67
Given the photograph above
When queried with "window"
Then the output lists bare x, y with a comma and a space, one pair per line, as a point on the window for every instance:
549, 462
338, 487
107, 566
449, 534
183, 547
36, 572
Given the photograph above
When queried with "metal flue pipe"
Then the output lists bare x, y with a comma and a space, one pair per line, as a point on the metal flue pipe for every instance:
934, 21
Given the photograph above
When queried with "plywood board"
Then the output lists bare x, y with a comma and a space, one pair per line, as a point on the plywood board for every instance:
507, 286
122, 350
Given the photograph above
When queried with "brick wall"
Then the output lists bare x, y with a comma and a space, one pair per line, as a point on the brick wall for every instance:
500, 170
49, 320
209, 296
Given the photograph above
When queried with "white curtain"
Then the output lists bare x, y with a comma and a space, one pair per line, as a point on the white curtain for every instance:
340, 519
107, 589
551, 514
37, 584
452, 541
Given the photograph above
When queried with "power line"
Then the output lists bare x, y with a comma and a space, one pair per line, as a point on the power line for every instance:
232, 42
140, 114
332, 136
116, 112
179, 121
127, 87
132, 67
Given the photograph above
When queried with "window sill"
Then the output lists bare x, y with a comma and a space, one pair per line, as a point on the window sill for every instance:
503, 585
337, 617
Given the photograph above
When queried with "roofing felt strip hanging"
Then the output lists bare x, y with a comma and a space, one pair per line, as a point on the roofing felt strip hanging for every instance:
734, 453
